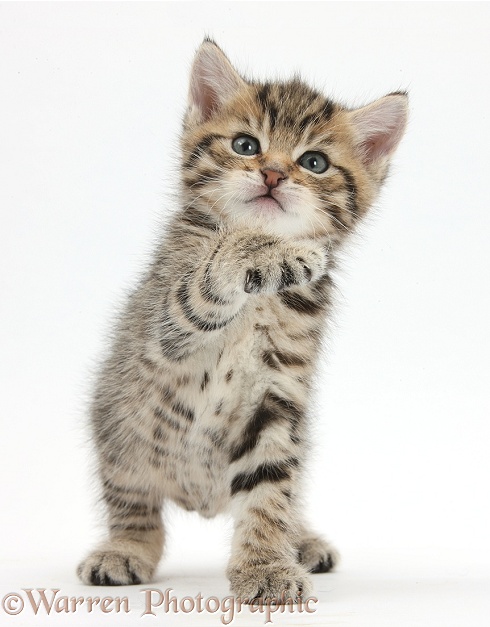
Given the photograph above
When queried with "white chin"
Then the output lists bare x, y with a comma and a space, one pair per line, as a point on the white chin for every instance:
265, 214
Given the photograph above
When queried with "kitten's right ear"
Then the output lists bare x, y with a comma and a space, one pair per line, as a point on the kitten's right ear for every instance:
213, 81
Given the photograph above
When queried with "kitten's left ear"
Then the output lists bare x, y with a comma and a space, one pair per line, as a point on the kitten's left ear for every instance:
379, 127
213, 81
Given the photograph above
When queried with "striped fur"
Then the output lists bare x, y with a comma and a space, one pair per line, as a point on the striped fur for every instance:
204, 396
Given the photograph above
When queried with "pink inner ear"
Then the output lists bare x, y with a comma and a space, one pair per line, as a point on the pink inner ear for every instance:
378, 146
380, 126
213, 80
203, 96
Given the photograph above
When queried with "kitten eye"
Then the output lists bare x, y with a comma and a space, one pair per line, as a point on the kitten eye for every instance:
314, 161
246, 145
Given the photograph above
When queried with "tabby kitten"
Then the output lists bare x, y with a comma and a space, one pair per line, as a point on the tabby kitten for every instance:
204, 397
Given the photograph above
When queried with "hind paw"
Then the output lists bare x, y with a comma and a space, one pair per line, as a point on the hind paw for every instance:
317, 555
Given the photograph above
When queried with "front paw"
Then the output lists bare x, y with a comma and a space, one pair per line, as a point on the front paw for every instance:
272, 583
284, 267
114, 568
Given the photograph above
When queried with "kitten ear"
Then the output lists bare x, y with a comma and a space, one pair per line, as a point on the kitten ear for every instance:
379, 127
213, 80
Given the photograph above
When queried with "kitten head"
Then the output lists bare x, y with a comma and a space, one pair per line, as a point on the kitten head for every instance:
279, 156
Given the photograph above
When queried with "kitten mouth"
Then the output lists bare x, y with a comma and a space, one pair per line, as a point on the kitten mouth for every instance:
267, 201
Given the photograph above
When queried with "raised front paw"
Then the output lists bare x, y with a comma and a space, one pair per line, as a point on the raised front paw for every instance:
114, 568
317, 555
272, 583
276, 268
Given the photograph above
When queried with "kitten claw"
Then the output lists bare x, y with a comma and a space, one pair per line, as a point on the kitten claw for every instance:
306, 268
287, 276
253, 281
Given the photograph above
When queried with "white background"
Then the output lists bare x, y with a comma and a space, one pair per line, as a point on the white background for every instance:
92, 96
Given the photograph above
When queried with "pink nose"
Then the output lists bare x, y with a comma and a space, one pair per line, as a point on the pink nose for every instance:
272, 177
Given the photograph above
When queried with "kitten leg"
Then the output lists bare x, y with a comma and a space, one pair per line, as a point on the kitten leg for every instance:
263, 562
265, 470
315, 553
135, 543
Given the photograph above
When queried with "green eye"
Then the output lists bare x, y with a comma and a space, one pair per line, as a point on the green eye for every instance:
246, 145
314, 161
